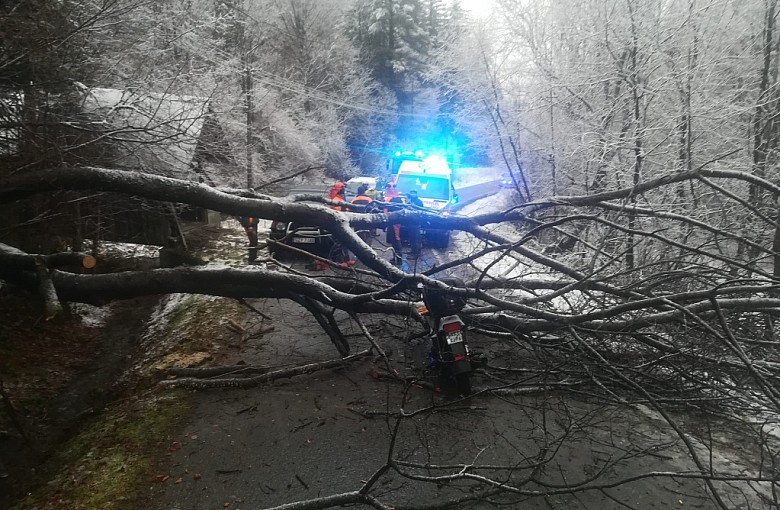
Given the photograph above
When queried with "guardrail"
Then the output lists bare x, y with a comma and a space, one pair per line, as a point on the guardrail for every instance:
470, 193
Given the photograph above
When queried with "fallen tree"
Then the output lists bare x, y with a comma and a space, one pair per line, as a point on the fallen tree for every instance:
689, 324
609, 300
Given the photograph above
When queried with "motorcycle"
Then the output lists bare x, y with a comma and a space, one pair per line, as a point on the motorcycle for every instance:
449, 351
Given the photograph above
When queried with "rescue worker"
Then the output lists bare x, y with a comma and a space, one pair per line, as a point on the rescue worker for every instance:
336, 193
391, 192
414, 199
394, 231
250, 227
414, 229
362, 197
339, 253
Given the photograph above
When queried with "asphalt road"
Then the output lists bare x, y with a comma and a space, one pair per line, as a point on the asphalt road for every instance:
327, 433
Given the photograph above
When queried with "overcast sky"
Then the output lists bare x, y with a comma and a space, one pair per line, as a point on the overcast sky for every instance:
478, 7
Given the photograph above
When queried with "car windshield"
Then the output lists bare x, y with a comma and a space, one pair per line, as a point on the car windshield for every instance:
437, 188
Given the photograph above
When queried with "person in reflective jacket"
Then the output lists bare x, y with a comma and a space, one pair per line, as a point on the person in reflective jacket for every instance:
250, 227
414, 229
336, 193
368, 206
394, 231
363, 199
339, 253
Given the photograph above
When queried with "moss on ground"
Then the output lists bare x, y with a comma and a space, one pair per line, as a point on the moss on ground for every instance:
108, 463
183, 312
198, 322
111, 461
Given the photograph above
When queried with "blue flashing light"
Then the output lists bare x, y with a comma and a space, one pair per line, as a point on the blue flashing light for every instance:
437, 164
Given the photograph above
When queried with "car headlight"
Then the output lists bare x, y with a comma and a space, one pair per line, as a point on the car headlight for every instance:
280, 226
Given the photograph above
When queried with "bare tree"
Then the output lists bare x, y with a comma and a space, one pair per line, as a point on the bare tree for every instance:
648, 281
688, 340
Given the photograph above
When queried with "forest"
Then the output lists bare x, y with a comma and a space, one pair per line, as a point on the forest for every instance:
636, 264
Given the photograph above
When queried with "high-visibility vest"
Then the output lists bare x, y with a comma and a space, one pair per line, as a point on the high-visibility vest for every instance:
338, 198
361, 200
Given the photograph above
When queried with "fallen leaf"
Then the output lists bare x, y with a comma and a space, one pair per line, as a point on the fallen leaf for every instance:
161, 478
178, 480
196, 476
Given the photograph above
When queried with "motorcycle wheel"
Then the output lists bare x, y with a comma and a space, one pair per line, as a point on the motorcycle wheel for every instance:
463, 383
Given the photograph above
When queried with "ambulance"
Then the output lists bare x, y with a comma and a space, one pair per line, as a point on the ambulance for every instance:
431, 178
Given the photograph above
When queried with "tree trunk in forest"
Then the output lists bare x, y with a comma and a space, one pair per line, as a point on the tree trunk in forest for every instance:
636, 98
250, 118
761, 125
551, 157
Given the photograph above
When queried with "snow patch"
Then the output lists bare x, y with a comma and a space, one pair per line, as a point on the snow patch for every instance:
161, 316
91, 316
128, 250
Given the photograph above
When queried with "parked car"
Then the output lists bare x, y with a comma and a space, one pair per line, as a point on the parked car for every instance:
309, 238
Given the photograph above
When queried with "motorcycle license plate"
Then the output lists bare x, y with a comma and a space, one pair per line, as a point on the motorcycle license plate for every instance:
454, 337
304, 240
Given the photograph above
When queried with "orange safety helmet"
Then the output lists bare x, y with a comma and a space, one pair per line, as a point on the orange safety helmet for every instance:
336, 189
